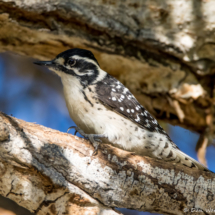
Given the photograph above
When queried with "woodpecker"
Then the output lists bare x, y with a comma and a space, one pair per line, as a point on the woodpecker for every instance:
104, 110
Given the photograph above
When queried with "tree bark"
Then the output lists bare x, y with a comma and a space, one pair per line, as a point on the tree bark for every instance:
163, 51
49, 172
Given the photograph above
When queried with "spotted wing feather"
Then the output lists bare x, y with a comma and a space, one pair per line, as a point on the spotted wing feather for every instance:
116, 96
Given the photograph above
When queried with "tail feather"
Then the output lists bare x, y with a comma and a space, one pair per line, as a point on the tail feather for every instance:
190, 162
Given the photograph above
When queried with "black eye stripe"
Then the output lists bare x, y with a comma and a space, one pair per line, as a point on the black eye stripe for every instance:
83, 65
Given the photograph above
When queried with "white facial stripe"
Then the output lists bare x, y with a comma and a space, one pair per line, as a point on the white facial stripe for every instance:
101, 75
86, 72
85, 59
89, 72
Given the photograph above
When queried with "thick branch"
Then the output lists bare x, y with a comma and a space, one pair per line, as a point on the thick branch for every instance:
48, 171
137, 41
28, 177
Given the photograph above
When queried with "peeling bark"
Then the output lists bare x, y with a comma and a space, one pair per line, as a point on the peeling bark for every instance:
49, 172
163, 51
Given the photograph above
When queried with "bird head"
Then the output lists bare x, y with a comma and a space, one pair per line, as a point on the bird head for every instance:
75, 63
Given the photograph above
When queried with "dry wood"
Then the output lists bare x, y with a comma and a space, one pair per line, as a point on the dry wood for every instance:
47, 171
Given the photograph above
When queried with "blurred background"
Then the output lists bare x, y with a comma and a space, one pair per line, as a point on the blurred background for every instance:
34, 94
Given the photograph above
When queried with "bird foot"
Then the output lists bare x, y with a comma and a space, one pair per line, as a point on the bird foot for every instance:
93, 138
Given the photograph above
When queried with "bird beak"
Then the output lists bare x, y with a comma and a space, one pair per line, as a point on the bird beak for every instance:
44, 63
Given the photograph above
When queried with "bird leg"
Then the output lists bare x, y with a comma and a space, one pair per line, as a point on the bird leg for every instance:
93, 138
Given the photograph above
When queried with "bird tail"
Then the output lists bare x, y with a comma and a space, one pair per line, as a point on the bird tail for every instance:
190, 162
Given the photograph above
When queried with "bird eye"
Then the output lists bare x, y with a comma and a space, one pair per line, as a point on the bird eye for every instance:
72, 62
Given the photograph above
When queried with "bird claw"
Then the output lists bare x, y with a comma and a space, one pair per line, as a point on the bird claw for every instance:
95, 149
77, 130
71, 127
93, 138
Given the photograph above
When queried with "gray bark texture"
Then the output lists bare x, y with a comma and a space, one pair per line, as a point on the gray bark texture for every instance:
163, 51
49, 172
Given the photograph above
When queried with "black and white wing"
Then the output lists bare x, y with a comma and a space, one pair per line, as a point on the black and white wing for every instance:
116, 96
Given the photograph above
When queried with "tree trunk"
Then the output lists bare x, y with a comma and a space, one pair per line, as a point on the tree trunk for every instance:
49, 172
163, 51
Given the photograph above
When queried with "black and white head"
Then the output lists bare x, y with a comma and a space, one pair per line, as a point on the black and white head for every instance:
78, 63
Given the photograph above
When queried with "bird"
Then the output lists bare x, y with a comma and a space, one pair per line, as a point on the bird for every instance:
104, 110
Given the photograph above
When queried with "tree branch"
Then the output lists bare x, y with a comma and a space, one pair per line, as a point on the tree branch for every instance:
135, 41
30, 159
47, 171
